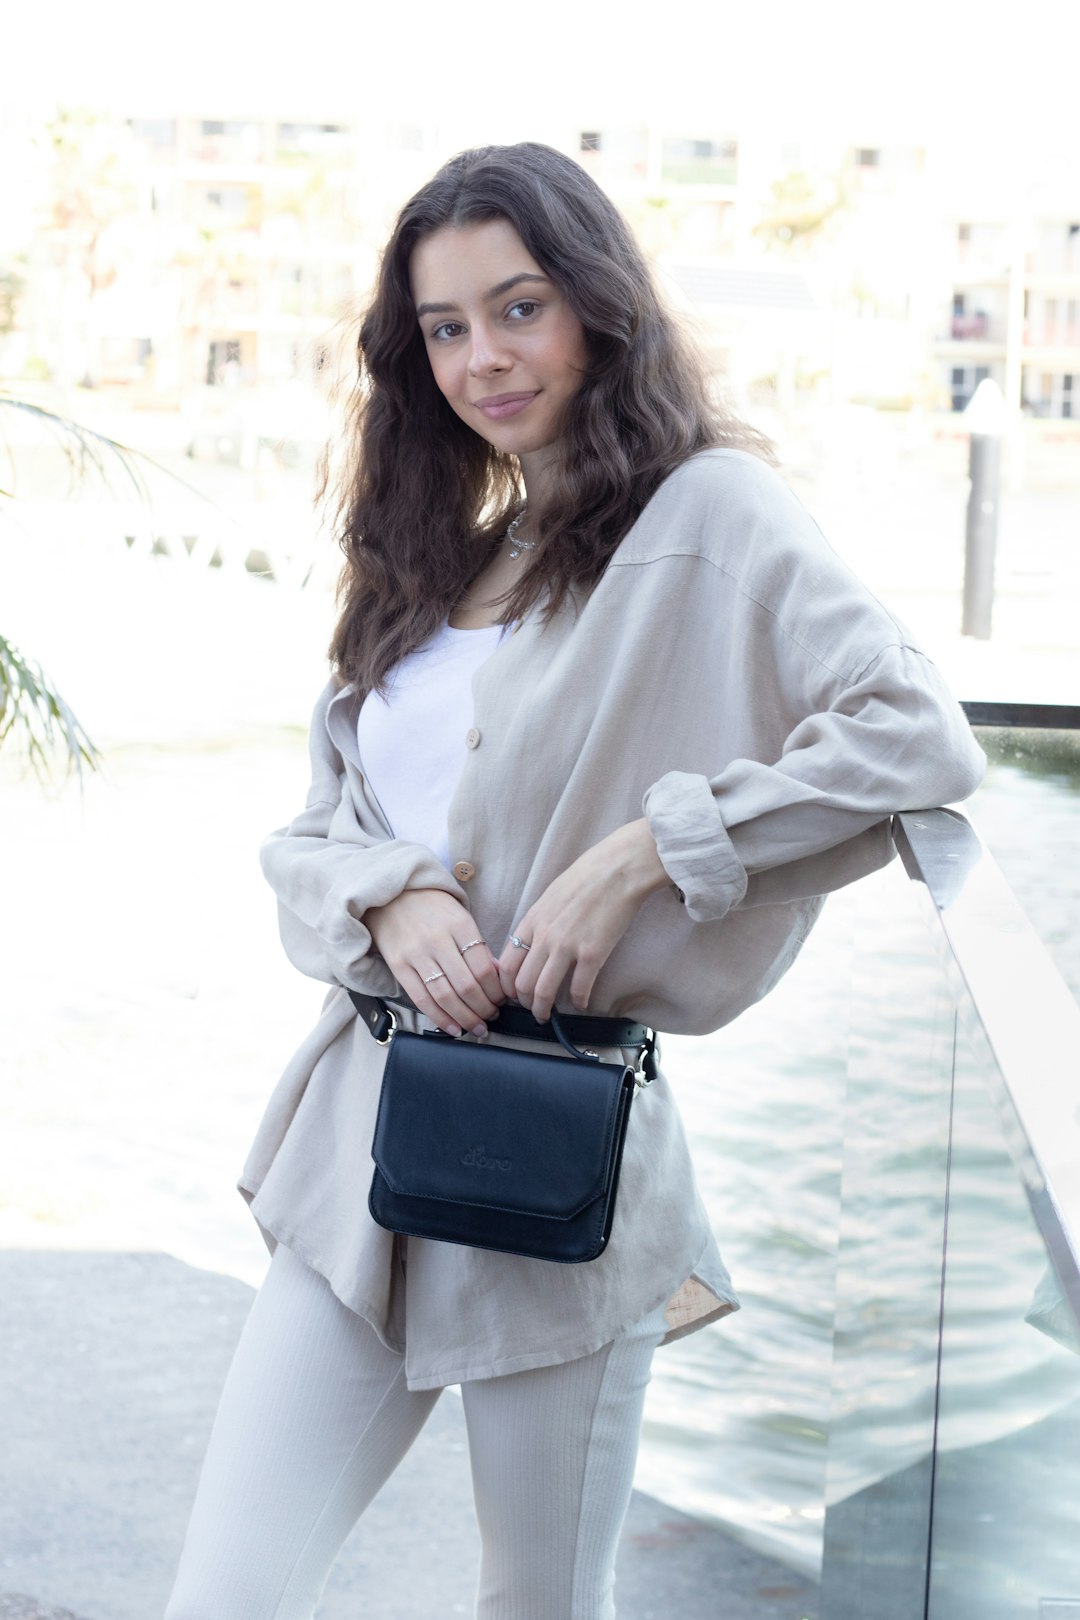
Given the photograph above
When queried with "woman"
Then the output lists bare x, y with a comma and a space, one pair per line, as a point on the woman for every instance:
608, 719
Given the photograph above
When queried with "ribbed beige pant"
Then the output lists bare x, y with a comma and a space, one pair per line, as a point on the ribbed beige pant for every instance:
315, 1417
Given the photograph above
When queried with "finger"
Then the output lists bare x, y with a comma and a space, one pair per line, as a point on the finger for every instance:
518, 973
528, 972
436, 999
514, 952
470, 991
531, 963
582, 983
548, 980
485, 971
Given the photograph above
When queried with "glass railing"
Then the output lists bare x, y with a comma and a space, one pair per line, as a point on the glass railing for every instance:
953, 1453
1027, 812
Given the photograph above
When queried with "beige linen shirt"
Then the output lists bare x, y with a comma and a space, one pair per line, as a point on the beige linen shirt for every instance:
733, 681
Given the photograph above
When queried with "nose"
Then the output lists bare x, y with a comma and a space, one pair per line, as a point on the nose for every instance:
487, 353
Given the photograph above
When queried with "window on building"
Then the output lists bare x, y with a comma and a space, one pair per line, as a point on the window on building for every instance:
694, 161
158, 132
590, 140
296, 133
222, 140
232, 201
867, 157
963, 382
223, 361
963, 233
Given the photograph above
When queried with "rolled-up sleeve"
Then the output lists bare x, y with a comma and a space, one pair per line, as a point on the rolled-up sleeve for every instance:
891, 739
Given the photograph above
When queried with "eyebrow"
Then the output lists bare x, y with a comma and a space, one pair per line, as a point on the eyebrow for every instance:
492, 292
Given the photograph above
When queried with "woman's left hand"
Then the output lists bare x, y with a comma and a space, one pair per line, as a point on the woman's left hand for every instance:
580, 918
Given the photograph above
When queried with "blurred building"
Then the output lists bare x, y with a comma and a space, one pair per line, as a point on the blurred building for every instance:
1014, 310
209, 252
194, 255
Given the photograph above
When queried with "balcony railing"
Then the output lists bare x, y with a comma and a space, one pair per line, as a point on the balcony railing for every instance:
976, 328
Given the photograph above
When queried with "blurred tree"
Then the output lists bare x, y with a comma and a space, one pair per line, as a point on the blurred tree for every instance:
11, 286
94, 172
802, 210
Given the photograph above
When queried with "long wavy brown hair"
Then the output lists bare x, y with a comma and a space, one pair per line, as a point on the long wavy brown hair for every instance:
422, 498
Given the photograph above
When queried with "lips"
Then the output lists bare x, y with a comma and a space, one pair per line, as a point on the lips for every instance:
497, 406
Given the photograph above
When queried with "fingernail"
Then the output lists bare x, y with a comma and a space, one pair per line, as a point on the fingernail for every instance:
453, 1029
479, 1029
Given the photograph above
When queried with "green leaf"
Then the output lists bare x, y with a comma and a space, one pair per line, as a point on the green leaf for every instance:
34, 714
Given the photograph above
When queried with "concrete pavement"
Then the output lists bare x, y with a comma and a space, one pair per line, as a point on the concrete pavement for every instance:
111, 1368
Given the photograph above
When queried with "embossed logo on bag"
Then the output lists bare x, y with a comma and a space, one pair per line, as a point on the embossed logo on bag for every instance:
479, 1159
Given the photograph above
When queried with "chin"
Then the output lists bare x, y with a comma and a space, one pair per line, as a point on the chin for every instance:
520, 444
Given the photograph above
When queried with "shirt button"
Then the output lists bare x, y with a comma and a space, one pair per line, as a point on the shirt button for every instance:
464, 870
472, 738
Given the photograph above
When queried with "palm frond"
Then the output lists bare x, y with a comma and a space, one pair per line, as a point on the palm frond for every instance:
88, 452
32, 709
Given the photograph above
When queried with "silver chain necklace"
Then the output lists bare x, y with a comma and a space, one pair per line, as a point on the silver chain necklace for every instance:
518, 547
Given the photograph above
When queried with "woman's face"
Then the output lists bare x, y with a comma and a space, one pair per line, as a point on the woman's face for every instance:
505, 347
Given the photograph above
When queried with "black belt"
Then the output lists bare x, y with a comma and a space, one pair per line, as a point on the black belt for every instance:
580, 1028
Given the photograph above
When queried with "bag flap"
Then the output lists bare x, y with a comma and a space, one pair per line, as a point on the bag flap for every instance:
495, 1127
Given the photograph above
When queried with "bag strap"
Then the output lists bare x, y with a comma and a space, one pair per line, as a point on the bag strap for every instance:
381, 1023
376, 1014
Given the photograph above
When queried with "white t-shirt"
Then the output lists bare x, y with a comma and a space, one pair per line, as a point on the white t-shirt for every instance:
413, 742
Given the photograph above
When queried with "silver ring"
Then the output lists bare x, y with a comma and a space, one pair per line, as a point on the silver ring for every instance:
433, 976
520, 943
469, 946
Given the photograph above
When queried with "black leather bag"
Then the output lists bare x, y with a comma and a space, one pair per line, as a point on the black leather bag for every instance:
499, 1148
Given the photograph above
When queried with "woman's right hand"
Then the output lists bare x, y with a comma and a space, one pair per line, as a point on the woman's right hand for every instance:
420, 935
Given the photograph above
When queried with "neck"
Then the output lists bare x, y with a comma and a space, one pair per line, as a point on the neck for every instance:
536, 473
